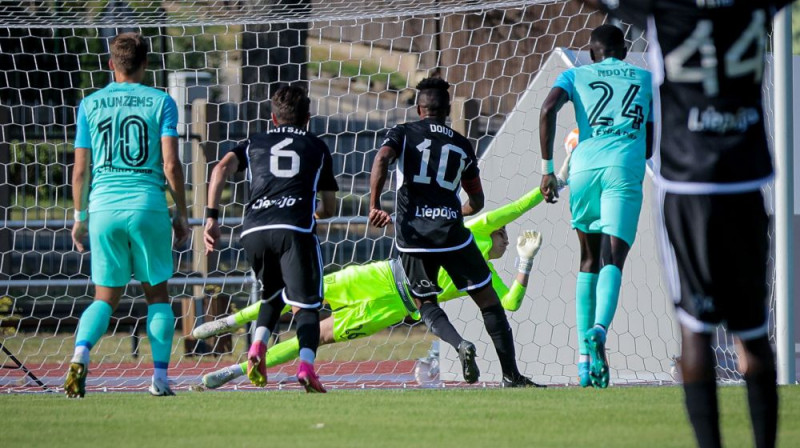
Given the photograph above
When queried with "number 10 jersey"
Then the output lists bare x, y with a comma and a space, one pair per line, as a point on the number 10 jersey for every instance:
432, 160
286, 166
122, 124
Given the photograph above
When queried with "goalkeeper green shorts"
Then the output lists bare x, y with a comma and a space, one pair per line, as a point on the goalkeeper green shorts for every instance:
364, 300
606, 200
130, 242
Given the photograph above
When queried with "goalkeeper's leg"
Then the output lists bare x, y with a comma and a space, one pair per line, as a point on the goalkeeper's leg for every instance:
228, 323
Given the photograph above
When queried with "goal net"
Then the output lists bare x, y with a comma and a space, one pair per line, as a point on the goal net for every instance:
220, 61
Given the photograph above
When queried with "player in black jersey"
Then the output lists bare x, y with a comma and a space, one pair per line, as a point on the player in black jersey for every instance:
287, 166
709, 61
433, 161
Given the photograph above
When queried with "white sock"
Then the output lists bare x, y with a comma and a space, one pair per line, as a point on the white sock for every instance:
81, 355
262, 334
307, 355
230, 321
160, 374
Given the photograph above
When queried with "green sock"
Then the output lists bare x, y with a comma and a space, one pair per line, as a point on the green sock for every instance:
160, 330
243, 366
608, 283
283, 352
91, 327
249, 314
584, 306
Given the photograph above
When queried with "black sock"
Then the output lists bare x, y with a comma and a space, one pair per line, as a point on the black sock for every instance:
762, 396
701, 404
270, 313
496, 323
307, 328
436, 319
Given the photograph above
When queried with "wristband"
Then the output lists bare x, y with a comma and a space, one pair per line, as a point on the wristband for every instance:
547, 166
81, 215
212, 213
524, 265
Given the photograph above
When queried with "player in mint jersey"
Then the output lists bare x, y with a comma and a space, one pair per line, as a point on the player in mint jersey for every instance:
127, 134
612, 101
368, 298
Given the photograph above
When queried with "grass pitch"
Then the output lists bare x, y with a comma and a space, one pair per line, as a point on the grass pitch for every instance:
554, 417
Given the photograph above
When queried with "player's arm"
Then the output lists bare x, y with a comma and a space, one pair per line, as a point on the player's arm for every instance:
547, 133
173, 169
327, 186
475, 197
377, 179
634, 12
230, 164
528, 244
492, 220
81, 179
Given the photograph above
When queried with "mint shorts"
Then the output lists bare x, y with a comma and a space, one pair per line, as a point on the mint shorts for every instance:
606, 200
130, 242
364, 300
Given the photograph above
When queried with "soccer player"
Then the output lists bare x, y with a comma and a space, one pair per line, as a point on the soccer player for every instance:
287, 167
714, 161
612, 101
433, 161
127, 133
370, 298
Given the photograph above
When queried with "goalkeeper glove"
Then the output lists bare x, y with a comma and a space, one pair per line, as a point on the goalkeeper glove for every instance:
528, 244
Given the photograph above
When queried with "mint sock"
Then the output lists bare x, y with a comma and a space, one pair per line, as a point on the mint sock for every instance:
283, 352
608, 284
585, 301
91, 327
160, 330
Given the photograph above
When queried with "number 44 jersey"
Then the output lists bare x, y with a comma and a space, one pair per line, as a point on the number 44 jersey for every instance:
432, 161
286, 167
713, 132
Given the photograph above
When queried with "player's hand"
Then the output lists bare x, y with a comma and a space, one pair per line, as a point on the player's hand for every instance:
528, 244
549, 188
211, 234
180, 226
79, 231
379, 218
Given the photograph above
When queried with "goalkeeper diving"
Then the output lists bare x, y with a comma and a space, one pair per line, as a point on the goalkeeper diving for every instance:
366, 299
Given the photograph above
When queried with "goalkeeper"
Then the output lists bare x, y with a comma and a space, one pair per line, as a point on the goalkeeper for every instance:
369, 298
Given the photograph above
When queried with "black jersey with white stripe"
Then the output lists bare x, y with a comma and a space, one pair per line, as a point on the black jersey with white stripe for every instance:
432, 161
713, 135
286, 166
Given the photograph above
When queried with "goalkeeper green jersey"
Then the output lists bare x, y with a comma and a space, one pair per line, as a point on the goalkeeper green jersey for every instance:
122, 125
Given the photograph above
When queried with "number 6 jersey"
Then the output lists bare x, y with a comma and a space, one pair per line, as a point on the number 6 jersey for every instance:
286, 166
712, 125
432, 160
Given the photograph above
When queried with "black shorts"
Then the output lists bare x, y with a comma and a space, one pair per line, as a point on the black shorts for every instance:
286, 259
721, 248
465, 266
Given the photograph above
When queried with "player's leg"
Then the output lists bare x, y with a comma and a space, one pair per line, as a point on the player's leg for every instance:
110, 267
160, 332
762, 392
262, 249
620, 205
301, 265
228, 323
585, 298
151, 252
700, 387
585, 190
